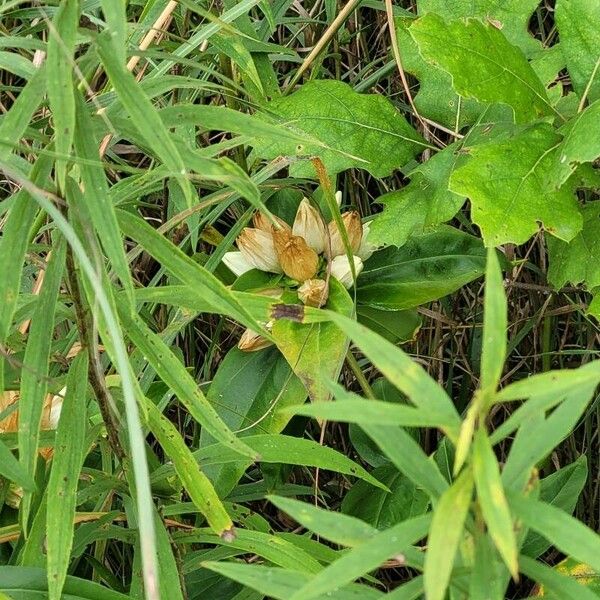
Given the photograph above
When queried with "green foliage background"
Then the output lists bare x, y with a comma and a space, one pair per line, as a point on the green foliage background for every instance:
138, 138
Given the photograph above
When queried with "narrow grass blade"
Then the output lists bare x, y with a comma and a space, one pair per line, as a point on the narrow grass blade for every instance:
404, 373
364, 558
144, 115
493, 352
336, 527
35, 366
97, 199
62, 486
60, 61
281, 583
492, 500
370, 412
280, 449
18, 118
564, 531
193, 479
13, 245
170, 369
445, 534
204, 283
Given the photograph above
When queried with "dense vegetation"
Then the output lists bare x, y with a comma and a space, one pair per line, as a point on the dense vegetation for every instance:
297, 299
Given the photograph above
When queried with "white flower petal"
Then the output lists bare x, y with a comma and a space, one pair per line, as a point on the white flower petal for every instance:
236, 262
340, 269
366, 248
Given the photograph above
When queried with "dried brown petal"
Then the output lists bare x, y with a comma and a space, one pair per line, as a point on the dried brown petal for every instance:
257, 248
353, 226
297, 259
314, 292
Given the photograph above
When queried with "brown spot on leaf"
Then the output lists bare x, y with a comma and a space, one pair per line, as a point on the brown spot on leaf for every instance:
292, 312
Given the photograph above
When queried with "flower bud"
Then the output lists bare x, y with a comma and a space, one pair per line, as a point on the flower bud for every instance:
309, 225
313, 292
261, 221
297, 259
353, 226
257, 248
340, 269
338, 198
252, 341
366, 248
237, 263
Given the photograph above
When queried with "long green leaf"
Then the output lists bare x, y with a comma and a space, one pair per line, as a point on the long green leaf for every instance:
564, 531
493, 351
280, 449
445, 535
143, 114
282, 583
492, 500
174, 374
206, 285
372, 412
409, 377
13, 245
18, 118
36, 364
62, 486
194, 480
32, 583
97, 199
364, 558
61, 49
336, 527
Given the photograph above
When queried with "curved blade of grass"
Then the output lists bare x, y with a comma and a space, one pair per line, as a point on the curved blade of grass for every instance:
281, 583
336, 527
195, 482
59, 64
145, 505
564, 531
13, 470
493, 351
13, 245
274, 548
64, 476
185, 269
445, 535
560, 586
373, 412
492, 500
171, 370
143, 114
97, 198
35, 368
403, 372
18, 118
364, 558
280, 449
